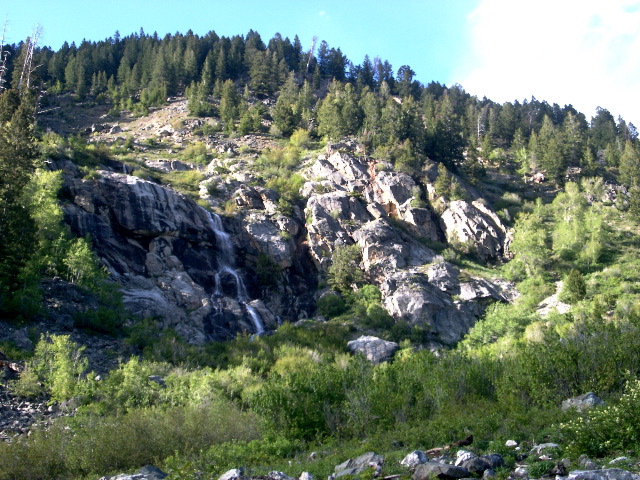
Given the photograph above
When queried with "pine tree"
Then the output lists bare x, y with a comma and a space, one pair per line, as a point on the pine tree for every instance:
198, 100
285, 114
629, 171
17, 164
229, 103
574, 288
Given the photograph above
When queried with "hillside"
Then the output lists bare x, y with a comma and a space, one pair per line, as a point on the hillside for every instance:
284, 263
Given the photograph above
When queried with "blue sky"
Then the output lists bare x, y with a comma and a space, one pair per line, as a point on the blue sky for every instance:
583, 52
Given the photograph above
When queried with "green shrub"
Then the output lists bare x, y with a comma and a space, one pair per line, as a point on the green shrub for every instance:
300, 138
345, 271
331, 305
267, 270
93, 445
574, 287
57, 366
607, 430
196, 152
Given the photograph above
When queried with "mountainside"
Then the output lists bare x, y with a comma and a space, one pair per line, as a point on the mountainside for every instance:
169, 254
217, 253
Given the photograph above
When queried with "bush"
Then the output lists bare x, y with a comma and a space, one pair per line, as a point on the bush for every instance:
56, 367
91, 445
345, 271
608, 429
196, 152
331, 305
300, 138
574, 287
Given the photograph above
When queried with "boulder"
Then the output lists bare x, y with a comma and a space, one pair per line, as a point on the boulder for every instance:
275, 475
248, 197
544, 449
414, 459
394, 191
409, 296
148, 472
463, 456
582, 402
233, 474
354, 466
495, 460
475, 227
604, 474
375, 349
269, 239
439, 470
444, 275
477, 465
423, 223
168, 165
385, 249
587, 464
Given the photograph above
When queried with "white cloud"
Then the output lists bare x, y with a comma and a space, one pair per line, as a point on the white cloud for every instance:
583, 52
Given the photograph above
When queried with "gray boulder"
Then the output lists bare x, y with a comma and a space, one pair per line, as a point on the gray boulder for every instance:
582, 402
439, 470
375, 349
233, 474
148, 472
604, 474
354, 466
477, 465
587, 464
385, 249
544, 448
414, 459
475, 226
276, 475
409, 296
444, 275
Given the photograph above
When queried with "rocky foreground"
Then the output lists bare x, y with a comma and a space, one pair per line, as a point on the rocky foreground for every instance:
539, 461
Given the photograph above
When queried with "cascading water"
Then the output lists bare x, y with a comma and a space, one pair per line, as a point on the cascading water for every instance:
226, 264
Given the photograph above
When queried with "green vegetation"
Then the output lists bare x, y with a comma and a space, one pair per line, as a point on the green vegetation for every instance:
265, 402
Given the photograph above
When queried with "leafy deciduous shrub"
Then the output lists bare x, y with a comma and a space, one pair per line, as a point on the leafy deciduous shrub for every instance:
56, 368
331, 305
345, 271
607, 429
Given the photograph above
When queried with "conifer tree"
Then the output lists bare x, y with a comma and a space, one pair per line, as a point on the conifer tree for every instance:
629, 171
229, 103
17, 164
285, 115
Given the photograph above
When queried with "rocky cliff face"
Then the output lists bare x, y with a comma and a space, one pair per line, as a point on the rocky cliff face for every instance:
358, 201
172, 259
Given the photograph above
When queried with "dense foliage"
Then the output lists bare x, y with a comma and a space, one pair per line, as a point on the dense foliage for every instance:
324, 92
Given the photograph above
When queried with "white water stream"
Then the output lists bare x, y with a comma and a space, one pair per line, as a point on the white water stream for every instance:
226, 264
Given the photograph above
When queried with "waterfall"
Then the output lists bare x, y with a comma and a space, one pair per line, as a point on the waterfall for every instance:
226, 264
255, 318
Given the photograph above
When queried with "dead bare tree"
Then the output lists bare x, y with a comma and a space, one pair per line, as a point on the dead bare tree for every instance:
27, 66
4, 54
313, 45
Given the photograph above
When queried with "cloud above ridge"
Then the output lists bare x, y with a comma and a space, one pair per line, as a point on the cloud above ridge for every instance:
582, 52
